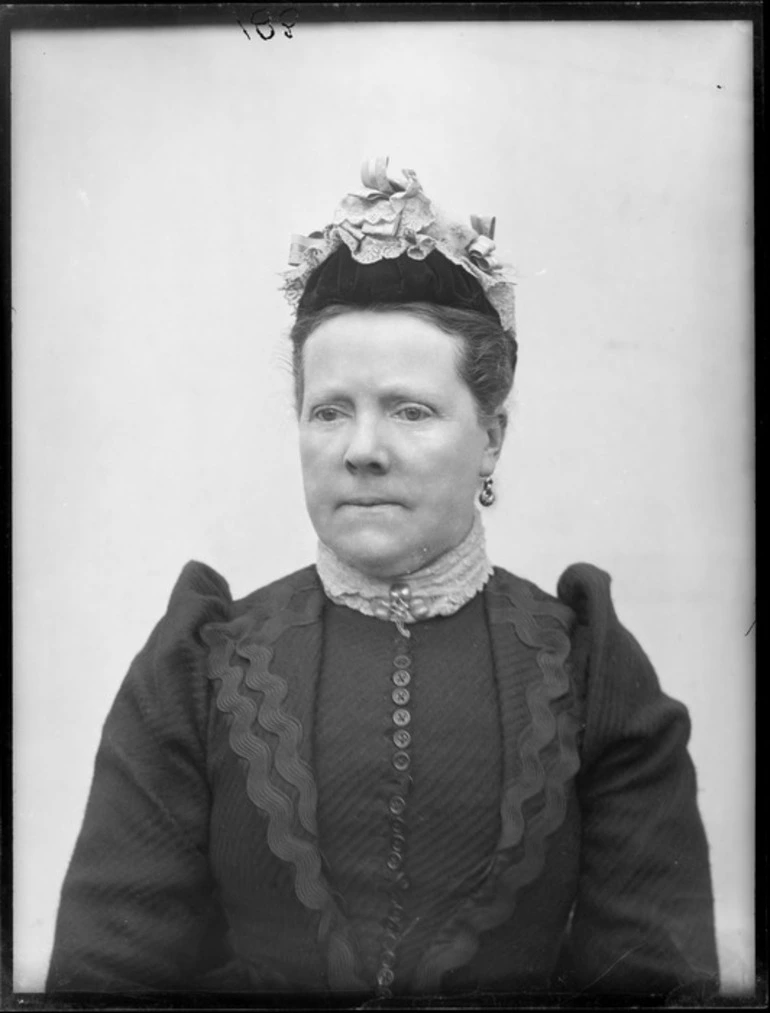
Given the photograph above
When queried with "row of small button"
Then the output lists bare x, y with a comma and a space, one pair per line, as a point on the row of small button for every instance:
401, 761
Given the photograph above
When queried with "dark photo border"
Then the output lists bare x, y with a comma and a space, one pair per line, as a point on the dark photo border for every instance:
256, 21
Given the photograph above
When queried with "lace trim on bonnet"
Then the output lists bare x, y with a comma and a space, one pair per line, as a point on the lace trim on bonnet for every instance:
392, 216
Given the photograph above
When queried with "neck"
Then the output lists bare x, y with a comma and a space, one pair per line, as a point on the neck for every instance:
440, 588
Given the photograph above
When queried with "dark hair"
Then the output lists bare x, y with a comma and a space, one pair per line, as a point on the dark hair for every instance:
487, 364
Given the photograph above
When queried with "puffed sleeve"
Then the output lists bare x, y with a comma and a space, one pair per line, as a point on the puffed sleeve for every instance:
643, 921
138, 908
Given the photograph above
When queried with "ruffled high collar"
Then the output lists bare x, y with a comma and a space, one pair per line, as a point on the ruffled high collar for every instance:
439, 589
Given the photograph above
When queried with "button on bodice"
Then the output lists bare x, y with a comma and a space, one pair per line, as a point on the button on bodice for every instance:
391, 827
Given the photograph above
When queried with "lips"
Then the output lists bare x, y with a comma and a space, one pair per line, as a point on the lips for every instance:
369, 501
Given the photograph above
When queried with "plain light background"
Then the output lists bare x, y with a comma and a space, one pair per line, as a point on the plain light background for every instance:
157, 176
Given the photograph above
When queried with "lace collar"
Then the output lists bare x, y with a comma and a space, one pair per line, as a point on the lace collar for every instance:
439, 589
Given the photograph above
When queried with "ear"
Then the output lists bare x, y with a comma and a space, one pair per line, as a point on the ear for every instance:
495, 432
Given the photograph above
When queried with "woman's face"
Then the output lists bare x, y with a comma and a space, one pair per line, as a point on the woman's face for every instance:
392, 449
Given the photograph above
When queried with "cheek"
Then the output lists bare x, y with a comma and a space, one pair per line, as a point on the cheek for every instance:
311, 462
312, 448
320, 475
456, 463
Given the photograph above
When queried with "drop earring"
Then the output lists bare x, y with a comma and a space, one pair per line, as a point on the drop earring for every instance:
487, 494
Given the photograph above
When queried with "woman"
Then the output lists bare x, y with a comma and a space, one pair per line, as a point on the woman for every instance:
401, 771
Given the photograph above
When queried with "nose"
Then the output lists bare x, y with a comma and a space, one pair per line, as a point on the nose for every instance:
366, 450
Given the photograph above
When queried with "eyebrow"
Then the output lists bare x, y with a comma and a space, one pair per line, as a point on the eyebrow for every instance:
389, 394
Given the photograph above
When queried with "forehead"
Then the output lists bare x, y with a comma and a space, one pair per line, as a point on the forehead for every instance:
381, 349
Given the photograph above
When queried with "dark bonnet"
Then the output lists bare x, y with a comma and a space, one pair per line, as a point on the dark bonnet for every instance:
403, 279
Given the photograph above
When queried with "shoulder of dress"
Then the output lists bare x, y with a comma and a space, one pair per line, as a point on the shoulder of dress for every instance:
577, 578
199, 580
201, 596
201, 602
279, 591
502, 578
200, 583
616, 665
527, 595
582, 603
585, 588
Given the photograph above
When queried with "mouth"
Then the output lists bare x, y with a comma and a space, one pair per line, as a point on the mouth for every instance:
366, 501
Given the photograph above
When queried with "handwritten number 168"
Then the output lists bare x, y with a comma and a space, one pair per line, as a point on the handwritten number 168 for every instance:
263, 24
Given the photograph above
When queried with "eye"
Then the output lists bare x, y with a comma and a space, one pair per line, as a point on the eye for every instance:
326, 413
414, 413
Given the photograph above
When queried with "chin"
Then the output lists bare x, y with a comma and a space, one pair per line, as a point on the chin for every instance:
386, 563
373, 556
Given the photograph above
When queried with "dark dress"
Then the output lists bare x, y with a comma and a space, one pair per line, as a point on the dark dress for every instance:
291, 796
